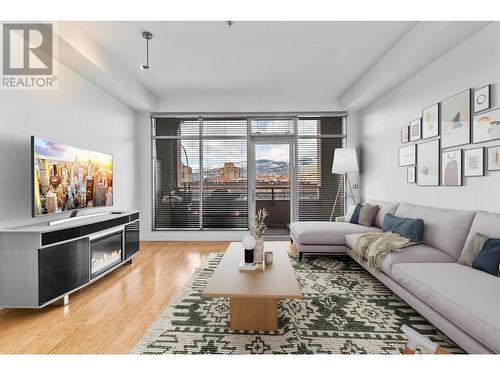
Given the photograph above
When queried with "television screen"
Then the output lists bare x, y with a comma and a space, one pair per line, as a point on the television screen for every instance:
67, 178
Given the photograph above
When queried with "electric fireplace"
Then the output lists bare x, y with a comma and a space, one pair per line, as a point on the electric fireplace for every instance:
105, 253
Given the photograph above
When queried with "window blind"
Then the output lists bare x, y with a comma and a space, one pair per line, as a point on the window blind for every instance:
272, 126
177, 183
225, 191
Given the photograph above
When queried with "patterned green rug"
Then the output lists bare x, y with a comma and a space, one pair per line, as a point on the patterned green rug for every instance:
345, 310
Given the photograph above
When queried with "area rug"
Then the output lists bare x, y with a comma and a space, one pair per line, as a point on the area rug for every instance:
345, 310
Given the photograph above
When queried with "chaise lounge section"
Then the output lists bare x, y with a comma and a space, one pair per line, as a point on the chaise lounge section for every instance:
460, 301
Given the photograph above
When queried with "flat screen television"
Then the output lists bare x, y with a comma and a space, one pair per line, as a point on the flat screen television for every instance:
66, 178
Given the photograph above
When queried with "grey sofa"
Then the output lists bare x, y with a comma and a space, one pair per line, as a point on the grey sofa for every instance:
462, 302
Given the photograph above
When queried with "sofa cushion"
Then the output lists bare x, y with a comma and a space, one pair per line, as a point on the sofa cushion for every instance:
413, 229
488, 259
385, 207
325, 232
467, 297
412, 254
444, 229
486, 223
472, 248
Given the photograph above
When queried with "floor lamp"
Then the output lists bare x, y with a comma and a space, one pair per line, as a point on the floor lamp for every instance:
345, 161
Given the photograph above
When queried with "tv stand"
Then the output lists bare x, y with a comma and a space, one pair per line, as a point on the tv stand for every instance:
74, 217
42, 265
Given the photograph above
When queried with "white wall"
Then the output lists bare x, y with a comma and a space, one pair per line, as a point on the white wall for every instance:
472, 64
78, 113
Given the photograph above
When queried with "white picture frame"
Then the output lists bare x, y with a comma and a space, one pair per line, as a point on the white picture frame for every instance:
407, 155
451, 168
474, 162
482, 99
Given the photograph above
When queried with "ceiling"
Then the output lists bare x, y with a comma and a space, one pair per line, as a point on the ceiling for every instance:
298, 59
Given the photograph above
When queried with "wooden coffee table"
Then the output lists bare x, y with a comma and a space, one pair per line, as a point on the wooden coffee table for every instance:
253, 295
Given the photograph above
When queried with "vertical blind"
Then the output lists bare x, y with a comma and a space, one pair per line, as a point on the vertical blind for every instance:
200, 169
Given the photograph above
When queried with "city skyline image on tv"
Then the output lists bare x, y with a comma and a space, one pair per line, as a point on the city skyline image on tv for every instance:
67, 178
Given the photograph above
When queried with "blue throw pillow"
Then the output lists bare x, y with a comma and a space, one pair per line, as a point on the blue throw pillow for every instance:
355, 214
488, 259
413, 229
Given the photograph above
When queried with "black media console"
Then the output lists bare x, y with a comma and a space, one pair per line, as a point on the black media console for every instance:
41, 264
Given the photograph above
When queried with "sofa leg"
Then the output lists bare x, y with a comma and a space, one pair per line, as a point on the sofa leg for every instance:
300, 256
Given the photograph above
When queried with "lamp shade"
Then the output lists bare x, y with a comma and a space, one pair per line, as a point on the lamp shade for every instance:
345, 160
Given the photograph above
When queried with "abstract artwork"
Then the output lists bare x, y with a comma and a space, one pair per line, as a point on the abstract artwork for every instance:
428, 163
430, 121
474, 162
486, 126
482, 99
455, 120
407, 155
404, 134
451, 168
415, 130
410, 175
494, 158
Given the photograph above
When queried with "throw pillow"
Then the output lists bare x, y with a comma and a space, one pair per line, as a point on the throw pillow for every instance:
349, 213
364, 214
472, 249
488, 259
413, 229
355, 214
367, 215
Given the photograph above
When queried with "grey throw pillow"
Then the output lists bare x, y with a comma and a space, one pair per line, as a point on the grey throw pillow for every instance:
472, 249
367, 215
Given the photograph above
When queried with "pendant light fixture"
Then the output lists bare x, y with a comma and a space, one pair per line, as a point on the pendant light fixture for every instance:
146, 35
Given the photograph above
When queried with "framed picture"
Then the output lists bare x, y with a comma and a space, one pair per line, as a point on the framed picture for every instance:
404, 134
494, 158
482, 99
407, 155
455, 120
410, 175
486, 126
430, 121
428, 163
416, 130
474, 162
451, 168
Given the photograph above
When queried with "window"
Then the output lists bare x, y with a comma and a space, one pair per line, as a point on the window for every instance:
200, 169
317, 186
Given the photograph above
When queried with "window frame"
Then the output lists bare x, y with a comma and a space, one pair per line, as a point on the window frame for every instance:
249, 116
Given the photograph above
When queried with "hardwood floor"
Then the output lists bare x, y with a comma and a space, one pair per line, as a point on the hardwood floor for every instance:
111, 315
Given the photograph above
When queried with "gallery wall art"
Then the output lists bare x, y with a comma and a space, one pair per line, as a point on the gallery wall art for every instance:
411, 176
407, 155
455, 120
494, 158
451, 168
486, 126
428, 163
405, 134
430, 121
416, 130
474, 162
437, 153
482, 100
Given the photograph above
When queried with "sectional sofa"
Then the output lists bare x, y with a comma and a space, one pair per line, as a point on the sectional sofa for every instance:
462, 302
